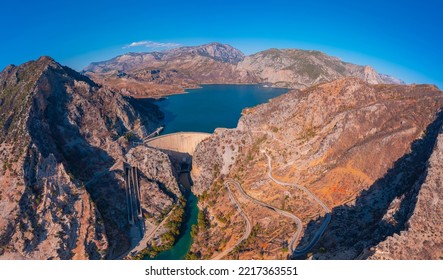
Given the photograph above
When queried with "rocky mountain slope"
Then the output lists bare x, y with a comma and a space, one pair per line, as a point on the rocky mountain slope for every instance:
63, 143
299, 69
346, 149
171, 71
421, 236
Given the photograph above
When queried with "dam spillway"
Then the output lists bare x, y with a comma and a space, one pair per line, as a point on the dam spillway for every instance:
182, 142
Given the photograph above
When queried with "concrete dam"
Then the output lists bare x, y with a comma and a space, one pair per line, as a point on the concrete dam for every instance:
181, 142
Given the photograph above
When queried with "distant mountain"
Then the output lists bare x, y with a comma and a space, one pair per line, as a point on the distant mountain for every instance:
139, 61
300, 69
63, 142
159, 73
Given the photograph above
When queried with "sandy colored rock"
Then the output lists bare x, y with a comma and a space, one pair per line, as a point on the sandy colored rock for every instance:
63, 143
157, 74
358, 147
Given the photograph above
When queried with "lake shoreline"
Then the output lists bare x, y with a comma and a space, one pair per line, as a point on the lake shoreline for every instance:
201, 85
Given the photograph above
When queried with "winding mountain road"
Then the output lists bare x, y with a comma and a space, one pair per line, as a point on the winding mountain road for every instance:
245, 217
278, 210
327, 219
295, 253
308, 192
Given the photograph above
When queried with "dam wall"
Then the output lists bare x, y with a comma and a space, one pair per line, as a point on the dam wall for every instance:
182, 142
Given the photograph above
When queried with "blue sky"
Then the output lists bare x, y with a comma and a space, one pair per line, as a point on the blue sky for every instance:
401, 38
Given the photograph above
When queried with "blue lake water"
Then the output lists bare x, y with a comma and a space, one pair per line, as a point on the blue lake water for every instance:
212, 106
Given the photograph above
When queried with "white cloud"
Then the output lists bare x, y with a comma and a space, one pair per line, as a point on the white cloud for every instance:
151, 44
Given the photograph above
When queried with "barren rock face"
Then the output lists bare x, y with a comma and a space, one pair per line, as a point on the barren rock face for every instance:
367, 154
171, 71
421, 238
357, 147
62, 192
299, 69
161, 73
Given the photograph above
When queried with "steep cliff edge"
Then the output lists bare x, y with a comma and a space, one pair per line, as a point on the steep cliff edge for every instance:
63, 142
421, 238
354, 146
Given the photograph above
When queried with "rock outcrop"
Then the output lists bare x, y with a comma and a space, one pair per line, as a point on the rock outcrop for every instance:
63, 143
171, 71
357, 147
421, 237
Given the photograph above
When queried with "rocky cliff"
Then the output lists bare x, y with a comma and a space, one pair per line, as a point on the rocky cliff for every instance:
63, 143
420, 237
171, 71
358, 159
348, 149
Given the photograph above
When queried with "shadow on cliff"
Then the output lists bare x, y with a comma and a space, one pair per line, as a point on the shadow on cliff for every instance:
147, 108
354, 229
144, 104
53, 132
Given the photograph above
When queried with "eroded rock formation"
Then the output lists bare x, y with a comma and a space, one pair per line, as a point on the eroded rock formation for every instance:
361, 149
63, 143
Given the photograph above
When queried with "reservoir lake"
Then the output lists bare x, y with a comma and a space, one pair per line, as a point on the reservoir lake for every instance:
212, 106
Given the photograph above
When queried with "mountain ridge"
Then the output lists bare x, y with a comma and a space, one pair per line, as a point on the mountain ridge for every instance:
63, 146
216, 63
369, 152
361, 149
